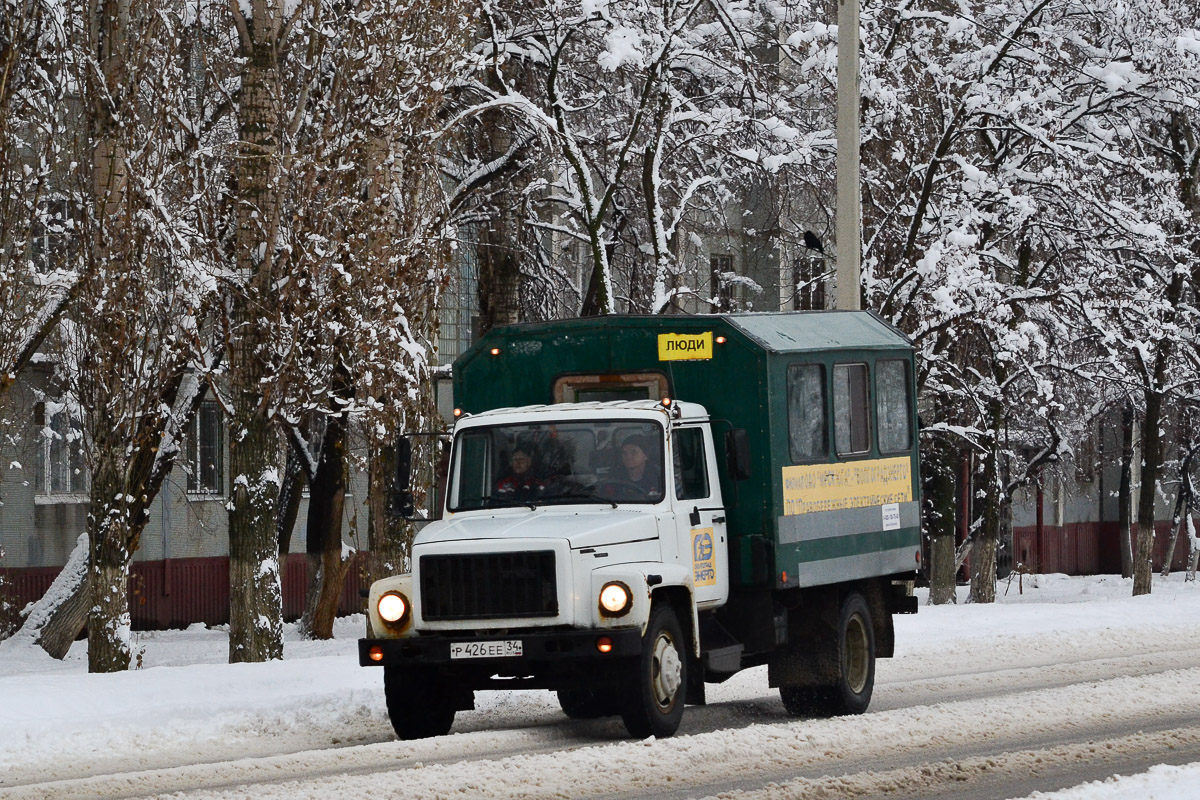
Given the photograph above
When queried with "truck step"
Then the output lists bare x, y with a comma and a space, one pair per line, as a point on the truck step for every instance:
723, 659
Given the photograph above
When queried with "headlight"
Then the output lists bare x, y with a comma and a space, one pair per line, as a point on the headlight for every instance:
394, 609
615, 599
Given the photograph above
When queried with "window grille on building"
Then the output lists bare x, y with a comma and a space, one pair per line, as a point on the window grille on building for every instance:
809, 282
206, 451
60, 470
721, 282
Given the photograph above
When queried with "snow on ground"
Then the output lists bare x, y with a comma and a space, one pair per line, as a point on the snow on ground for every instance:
185, 705
1163, 782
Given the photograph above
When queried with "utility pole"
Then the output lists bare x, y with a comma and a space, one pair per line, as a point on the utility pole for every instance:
849, 199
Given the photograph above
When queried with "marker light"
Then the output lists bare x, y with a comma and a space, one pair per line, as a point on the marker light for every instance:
375, 654
666, 402
495, 351
457, 412
615, 599
784, 576
604, 644
393, 609
720, 340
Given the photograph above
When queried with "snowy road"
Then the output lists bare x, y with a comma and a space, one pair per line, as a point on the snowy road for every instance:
979, 703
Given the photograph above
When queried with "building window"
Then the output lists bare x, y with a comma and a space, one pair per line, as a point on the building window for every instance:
50, 244
892, 406
807, 436
809, 284
851, 414
721, 280
60, 470
206, 451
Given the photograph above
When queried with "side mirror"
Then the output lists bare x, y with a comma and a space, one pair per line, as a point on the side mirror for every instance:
403, 504
737, 454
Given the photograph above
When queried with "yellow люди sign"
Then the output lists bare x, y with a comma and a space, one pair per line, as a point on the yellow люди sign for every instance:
685, 346
833, 487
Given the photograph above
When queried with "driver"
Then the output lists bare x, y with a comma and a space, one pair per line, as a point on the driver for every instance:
520, 483
639, 470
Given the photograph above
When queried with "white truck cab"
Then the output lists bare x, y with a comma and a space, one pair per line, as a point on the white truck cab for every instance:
564, 527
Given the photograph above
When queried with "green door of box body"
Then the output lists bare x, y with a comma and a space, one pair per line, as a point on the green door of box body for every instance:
795, 521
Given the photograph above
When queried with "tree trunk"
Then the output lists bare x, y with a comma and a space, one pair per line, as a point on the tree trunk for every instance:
388, 536
286, 513
60, 616
1143, 568
1125, 491
983, 554
326, 503
499, 272
500, 245
987, 538
1183, 504
256, 600
55, 621
1193, 550
255, 593
108, 565
939, 523
1182, 509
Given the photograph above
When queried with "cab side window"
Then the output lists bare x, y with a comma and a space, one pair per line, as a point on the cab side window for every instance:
691, 465
892, 406
851, 414
808, 439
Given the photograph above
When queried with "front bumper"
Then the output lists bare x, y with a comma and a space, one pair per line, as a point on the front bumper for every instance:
547, 649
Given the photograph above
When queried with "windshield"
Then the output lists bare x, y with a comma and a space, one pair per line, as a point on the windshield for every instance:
566, 462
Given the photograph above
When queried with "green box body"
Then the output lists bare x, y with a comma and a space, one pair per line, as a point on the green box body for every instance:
743, 383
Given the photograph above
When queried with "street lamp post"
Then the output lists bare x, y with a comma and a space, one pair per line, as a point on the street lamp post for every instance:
849, 201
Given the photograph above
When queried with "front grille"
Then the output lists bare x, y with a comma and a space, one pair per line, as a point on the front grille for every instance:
489, 586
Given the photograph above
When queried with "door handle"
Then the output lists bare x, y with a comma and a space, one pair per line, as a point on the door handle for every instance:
717, 520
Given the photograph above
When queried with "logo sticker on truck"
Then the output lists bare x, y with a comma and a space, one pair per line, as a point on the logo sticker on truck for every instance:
704, 568
685, 346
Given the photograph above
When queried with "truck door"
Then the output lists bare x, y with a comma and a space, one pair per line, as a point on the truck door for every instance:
700, 513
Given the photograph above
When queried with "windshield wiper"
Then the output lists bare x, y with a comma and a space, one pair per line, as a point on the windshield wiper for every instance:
506, 502
580, 496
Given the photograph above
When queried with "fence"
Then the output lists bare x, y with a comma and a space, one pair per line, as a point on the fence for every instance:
180, 591
1086, 548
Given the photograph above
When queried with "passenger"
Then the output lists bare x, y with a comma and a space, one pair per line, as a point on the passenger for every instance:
640, 471
521, 483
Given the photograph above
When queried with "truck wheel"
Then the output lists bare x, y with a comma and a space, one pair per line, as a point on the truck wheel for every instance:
656, 707
416, 704
586, 703
855, 653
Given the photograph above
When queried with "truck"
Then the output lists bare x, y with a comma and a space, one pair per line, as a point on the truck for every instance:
635, 507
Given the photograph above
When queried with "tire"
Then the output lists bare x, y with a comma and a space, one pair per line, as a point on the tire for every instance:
807, 701
586, 703
855, 653
416, 703
655, 706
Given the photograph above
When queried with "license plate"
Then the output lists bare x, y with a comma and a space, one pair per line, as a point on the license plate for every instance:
502, 649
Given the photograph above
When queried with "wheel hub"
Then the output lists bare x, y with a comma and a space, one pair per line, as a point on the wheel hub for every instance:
668, 671
856, 655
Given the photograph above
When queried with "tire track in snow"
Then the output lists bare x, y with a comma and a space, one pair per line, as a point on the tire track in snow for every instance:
920, 736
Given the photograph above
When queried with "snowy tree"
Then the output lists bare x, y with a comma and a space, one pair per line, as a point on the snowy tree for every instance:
368, 249
622, 121
340, 235
1006, 188
132, 339
36, 282
131, 329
